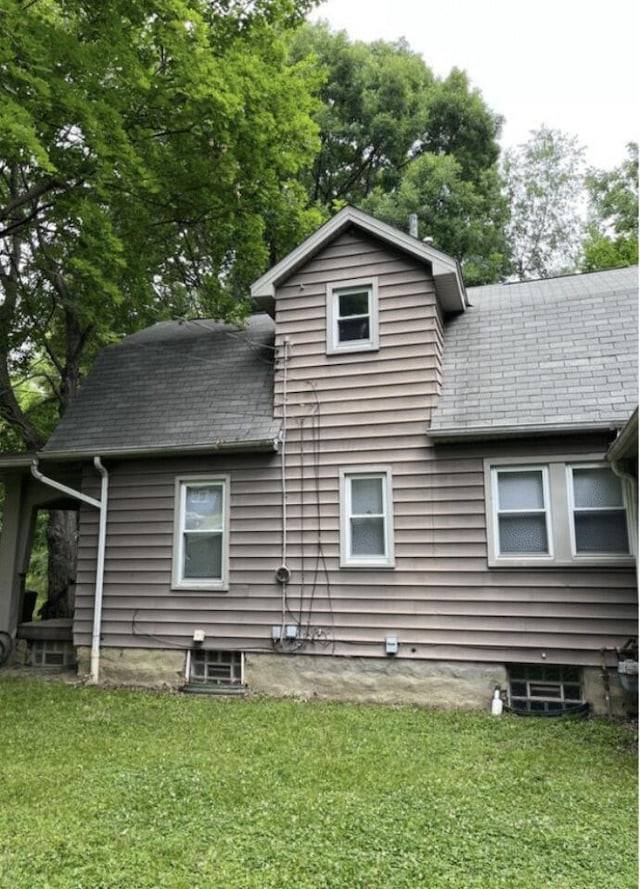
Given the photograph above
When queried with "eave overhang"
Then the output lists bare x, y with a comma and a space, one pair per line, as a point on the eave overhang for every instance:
491, 433
261, 445
625, 446
446, 271
12, 463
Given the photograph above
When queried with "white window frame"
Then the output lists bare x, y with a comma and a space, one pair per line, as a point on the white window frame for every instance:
179, 581
560, 526
496, 471
347, 558
334, 292
573, 509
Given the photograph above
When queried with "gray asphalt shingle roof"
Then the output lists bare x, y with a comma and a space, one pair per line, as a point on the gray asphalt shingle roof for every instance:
556, 353
553, 354
193, 384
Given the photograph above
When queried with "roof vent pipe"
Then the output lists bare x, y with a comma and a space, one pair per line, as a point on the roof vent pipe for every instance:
413, 225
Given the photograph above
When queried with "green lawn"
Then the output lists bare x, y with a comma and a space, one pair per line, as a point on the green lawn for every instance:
131, 790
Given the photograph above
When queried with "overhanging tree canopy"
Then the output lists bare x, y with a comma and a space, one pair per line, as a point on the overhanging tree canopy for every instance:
395, 140
148, 160
148, 154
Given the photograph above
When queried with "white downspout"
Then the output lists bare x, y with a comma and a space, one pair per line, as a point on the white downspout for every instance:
102, 543
101, 506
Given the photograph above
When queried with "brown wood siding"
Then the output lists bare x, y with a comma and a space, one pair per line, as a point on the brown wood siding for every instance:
347, 410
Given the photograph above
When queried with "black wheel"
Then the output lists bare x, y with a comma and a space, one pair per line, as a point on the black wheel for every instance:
6, 647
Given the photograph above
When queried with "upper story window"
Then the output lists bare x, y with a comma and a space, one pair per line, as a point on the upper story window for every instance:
200, 552
352, 316
366, 532
557, 512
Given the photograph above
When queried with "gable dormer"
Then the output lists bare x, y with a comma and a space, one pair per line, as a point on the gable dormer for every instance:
445, 270
359, 309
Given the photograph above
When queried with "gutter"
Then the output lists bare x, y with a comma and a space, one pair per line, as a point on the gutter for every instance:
101, 506
262, 444
626, 443
486, 433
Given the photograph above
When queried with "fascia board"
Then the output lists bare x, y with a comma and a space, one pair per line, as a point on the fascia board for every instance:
16, 461
626, 443
488, 433
443, 266
261, 445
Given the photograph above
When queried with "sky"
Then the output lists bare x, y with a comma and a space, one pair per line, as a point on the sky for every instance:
568, 64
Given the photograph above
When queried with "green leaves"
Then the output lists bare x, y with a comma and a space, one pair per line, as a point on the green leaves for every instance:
396, 140
148, 160
612, 231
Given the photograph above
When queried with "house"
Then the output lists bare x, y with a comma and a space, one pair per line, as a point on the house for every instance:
385, 487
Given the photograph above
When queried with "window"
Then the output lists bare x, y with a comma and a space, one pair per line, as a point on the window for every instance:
537, 689
52, 653
366, 538
599, 521
215, 668
201, 535
556, 512
522, 510
352, 316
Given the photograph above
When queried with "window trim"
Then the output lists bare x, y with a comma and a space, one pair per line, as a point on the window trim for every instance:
179, 582
560, 529
546, 556
347, 560
334, 291
570, 466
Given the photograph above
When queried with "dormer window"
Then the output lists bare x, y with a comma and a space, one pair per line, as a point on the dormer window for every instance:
352, 316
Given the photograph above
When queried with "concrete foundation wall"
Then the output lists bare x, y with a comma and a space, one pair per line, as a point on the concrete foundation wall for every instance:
445, 685
146, 668
608, 699
388, 681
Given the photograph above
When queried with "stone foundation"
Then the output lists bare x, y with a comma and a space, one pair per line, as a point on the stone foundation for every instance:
141, 667
614, 701
444, 685
388, 681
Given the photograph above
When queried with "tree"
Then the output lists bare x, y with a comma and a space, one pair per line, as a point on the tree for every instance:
148, 159
373, 109
394, 140
462, 220
612, 229
544, 188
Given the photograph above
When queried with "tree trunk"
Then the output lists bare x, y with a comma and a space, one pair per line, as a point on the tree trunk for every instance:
62, 535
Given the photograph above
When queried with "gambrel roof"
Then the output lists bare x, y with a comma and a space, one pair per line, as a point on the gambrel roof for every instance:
554, 355
192, 386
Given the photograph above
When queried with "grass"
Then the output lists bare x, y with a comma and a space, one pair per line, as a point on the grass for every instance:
118, 789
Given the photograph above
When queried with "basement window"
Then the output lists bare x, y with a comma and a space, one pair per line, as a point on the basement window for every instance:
215, 669
544, 690
52, 653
